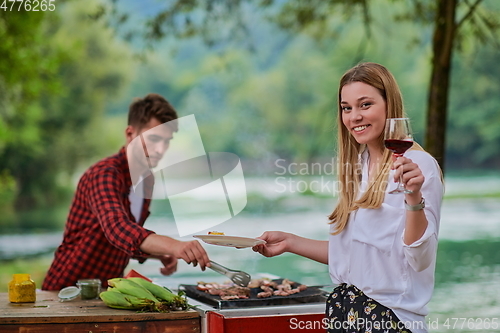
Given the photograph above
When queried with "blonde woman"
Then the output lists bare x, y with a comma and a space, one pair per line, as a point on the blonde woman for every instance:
382, 247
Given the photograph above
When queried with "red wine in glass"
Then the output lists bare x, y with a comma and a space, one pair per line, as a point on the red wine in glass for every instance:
398, 147
398, 139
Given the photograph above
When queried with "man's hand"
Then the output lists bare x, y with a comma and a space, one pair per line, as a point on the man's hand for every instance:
191, 252
161, 246
169, 264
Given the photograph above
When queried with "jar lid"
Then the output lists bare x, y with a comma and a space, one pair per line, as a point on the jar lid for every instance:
69, 293
91, 282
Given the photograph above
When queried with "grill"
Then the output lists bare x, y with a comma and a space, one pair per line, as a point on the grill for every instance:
310, 295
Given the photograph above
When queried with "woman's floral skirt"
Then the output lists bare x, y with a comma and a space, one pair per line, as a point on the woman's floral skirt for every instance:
349, 310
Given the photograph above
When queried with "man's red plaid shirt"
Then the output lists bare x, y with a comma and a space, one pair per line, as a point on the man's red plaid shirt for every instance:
101, 234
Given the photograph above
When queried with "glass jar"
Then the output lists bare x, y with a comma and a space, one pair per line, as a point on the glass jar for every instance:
22, 289
89, 288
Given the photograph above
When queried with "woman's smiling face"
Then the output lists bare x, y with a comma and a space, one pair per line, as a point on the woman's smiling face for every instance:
363, 112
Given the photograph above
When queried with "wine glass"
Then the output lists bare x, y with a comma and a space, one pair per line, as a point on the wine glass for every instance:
398, 139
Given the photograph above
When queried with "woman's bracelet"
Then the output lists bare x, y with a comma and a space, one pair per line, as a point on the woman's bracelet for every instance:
416, 207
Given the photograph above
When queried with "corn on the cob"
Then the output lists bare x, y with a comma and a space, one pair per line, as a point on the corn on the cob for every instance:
128, 294
118, 300
129, 287
158, 291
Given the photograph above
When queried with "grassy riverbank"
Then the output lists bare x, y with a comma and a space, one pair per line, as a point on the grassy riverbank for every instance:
36, 267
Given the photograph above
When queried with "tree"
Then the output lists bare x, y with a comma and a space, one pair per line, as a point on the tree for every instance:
55, 91
447, 29
473, 110
453, 22
27, 68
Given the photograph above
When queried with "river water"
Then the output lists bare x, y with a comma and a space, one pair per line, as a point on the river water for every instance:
467, 290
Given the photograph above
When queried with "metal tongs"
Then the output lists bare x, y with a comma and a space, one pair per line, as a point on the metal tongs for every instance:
240, 278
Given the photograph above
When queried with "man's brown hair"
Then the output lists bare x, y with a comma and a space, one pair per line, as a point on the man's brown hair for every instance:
141, 111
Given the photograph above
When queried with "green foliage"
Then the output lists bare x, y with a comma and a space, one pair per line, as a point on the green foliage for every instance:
21, 49
279, 99
396, 33
8, 191
7, 188
58, 88
21, 84
474, 117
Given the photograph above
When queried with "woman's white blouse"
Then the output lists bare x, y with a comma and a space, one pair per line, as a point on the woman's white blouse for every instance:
370, 252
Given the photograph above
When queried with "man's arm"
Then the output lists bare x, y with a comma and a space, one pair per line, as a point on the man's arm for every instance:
105, 199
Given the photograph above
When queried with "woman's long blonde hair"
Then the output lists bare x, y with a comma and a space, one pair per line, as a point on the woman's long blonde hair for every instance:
348, 151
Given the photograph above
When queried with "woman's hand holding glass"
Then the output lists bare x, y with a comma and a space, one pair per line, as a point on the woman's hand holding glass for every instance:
409, 174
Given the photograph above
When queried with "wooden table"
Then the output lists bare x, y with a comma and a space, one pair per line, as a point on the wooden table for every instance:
48, 315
